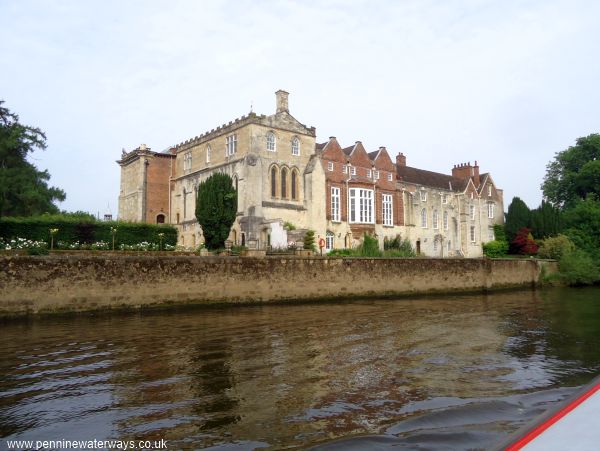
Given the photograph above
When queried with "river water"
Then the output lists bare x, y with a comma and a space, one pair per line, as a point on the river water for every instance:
456, 372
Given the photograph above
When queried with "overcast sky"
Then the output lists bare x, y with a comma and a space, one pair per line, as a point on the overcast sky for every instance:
506, 83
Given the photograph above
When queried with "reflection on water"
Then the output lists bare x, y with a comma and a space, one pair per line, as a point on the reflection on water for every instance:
461, 372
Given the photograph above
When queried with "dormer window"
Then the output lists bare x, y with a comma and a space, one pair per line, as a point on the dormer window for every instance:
295, 146
271, 142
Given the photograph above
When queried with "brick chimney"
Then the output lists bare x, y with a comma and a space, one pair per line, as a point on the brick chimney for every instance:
400, 159
465, 171
282, 101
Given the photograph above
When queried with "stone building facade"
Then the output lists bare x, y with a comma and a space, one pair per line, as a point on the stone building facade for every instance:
284, 177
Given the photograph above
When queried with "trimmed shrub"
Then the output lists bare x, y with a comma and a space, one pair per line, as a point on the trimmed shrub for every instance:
495, 249
309, 241
84, 232
555, 247
499, 233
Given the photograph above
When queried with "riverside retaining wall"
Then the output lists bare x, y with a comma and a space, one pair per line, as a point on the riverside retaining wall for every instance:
54, 283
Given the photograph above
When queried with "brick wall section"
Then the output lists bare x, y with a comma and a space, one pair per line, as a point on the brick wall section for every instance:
157, 200
82, 283
333, 153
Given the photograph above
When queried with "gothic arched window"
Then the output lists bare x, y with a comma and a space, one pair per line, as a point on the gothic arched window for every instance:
294, 185
284, 193
273, 181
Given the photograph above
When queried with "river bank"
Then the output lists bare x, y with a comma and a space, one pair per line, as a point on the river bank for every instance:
55, 283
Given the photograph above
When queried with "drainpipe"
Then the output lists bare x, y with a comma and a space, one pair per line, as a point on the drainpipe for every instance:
144, 189
169, 187
348, 177
441, 227
459, 225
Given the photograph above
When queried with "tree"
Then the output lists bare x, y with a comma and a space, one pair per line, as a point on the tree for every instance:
582, 224
574, 173
216, 208
546, 220
24, 190
517, 217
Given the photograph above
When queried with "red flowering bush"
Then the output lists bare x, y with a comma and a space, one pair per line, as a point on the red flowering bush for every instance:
523, 243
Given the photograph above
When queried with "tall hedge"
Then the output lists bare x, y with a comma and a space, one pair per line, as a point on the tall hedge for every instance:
83, 231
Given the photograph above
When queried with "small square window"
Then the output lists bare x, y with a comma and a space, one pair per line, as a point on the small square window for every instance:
330, 166
353, 170
390, 177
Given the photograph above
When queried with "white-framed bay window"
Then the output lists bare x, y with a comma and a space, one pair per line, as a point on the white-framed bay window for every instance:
361, 205
386, 209
335, 204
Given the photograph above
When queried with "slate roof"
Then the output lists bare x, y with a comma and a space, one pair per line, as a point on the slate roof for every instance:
320, 146
348, 150
432, 179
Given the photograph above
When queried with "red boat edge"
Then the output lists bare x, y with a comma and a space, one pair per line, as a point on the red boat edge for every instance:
539, 426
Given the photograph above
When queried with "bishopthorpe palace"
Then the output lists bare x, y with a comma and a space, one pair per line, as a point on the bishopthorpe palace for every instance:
285, 178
